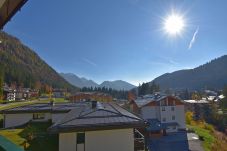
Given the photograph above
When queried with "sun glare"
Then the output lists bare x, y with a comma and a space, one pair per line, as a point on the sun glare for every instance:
174, 24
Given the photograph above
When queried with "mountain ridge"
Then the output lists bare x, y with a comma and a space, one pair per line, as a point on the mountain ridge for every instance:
209, 75
83, 82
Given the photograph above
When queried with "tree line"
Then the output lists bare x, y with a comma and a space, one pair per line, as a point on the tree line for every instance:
148, 88
119, 94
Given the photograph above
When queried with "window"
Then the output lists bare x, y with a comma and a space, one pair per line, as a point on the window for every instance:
80, 138
163, 119
163, 108
172, 108
174, 127
173, 117
37, 116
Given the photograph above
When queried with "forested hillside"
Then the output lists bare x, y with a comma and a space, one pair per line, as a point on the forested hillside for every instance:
212, 75
21, 66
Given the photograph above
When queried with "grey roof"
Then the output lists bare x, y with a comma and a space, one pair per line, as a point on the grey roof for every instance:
149, 98
155, 124
109, 116
44, 107
144, 100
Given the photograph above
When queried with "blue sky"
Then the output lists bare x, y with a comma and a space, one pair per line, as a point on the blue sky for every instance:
121, 39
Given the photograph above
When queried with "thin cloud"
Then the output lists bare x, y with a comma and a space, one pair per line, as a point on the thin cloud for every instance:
89, 62
193, 38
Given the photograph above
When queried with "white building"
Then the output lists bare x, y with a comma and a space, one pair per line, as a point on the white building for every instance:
163, 113
37, 113
102, 127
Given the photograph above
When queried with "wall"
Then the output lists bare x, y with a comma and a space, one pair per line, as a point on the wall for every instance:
148, 112
106, 140
67, 142
110, 140
12, 120
181, 116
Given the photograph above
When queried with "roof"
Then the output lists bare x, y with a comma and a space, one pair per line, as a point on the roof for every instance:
196, 101
104, 116
155, 125
44, 107
8, 8
144, 100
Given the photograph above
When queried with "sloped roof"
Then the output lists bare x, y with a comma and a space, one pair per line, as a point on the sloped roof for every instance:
8, 8
44, 107
106, 116
149, 98
146, 99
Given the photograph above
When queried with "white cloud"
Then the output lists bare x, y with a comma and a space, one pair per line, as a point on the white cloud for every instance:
193, 38
89, 62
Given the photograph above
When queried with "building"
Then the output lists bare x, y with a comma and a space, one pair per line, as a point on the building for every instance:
84, 126
59, 93
36, 112
191, 105
163, 113
9, 94
97, 96
102, 127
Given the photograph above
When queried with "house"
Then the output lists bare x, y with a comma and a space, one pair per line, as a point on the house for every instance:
163, 113
59, 93
36, 112
9, 94
191, 105
101, 127
84, 126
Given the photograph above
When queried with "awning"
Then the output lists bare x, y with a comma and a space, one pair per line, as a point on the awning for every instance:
8, 8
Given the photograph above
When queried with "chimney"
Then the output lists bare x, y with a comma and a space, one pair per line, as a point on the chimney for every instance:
52, 103
93, 104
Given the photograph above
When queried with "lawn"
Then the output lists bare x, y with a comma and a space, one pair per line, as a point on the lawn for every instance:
36, 136
16, 104
206, 135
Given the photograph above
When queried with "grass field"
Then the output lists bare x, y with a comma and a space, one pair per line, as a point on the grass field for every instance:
16, 104
36, 136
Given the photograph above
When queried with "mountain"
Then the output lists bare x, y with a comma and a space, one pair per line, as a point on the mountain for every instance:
77, 81
210, 75
117, 85
83, 82
22, 66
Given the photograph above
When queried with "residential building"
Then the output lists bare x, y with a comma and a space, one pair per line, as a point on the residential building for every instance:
163, 113
59, 93
36, 112
9, 94
190, 105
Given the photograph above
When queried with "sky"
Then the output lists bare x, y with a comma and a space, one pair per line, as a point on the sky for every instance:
121, 39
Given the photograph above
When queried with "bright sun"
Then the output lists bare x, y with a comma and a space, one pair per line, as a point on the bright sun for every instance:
174, 24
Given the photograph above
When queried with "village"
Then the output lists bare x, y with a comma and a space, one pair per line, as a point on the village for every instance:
149, 122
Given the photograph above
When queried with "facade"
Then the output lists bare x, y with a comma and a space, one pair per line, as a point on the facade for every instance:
13, 94
163, 113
